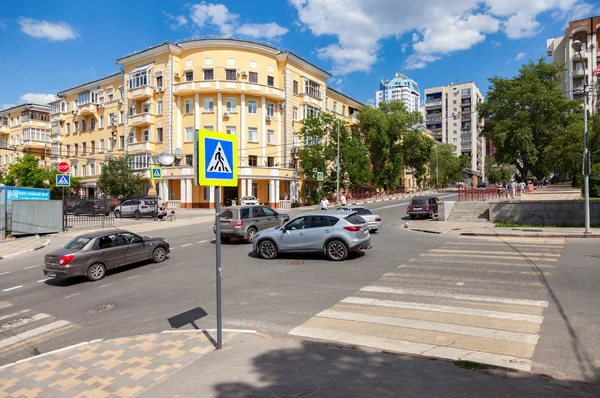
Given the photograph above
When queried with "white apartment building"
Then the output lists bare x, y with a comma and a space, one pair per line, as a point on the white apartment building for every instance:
400, 88
559, 48
451, 115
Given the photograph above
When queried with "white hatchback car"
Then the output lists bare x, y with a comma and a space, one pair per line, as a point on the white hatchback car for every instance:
248, 201
137, 208
373, 220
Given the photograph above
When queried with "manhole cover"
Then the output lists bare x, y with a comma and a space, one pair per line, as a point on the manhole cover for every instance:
100, 308
595, 256
294, 262
13, 323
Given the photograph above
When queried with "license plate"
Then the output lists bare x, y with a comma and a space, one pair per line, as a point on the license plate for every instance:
50, 273
366, 232
417, 208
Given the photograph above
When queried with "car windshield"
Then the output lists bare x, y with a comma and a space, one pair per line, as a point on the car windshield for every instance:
227, 214
418, 202
151, 203
77, 243
355, 219
248, 198
364, 211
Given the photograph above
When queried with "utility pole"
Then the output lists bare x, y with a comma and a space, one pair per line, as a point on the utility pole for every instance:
337, 194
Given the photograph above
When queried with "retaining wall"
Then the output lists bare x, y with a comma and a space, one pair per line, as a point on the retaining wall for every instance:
547, 212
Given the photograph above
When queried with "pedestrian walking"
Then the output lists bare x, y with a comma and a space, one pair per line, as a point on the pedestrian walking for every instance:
507, 190
324, 203
343, 200
513, 188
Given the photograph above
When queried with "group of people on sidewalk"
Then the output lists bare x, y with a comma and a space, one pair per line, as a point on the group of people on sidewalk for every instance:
324, 204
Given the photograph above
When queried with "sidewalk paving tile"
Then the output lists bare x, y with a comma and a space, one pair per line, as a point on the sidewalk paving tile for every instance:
11, 247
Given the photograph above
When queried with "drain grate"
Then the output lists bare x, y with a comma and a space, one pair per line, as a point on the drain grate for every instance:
100, 308
13, 323
594, 256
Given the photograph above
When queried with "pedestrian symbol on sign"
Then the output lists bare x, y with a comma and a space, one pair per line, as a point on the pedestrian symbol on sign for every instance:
63, 180
156, 173
218, 162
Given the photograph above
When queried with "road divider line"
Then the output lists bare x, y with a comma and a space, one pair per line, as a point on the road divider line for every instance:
12, 288
4, 273
159, 269
444, 308
135, 276
72, 295
203, 241
186, 245
43, 280
108, 284
32, 266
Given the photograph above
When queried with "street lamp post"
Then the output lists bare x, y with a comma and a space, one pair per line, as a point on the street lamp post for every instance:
586, 158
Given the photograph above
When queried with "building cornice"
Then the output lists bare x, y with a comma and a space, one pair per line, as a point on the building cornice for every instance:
94, 84
25, 107
149, 52
341, 95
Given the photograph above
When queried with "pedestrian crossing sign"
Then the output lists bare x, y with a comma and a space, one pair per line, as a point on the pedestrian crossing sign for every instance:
217, 159
63, 180
320, 176
156, 173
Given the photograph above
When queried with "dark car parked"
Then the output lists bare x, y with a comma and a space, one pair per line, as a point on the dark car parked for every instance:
243, 222
426, 206
92, 254
91, 208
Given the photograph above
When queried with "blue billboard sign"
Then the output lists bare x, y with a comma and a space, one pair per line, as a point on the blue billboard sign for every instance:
19, 193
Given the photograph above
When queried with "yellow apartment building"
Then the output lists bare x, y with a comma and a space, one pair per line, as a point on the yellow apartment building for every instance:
24, 129
151, 109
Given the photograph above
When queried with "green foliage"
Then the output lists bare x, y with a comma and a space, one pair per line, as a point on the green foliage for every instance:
448, 165
384, 129
117, 178
526, 115
417, 148
595, 181
497, 172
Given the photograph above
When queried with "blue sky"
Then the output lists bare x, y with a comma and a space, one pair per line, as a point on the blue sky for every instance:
50, 46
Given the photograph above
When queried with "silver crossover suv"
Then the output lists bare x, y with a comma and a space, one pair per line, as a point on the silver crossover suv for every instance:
335, 234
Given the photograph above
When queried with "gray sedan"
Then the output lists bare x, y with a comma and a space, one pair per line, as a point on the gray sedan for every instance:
334, 234
91, 255
372, 219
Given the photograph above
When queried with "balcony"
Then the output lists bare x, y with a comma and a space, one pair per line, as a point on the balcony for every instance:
140, 120
87, 109
140, 93
466, 128
582, 55
433, 103
578, 73
436, 118
141, 147
59, 117
465, 115
465, 145
3, 129
229, 86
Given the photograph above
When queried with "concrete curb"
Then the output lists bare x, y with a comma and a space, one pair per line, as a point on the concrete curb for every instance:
46, 243
534, 235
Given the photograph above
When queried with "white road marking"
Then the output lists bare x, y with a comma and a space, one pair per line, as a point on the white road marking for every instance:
179, 263
14, 314
444, 308
459, 283
159, 269
43, 280
12, 288
186, 245
456, 296
503, 253
32, 333
413, 348
512, 258
135, 276
203, 241
33, 266
517, 337
108, 284
72, 295
4, 273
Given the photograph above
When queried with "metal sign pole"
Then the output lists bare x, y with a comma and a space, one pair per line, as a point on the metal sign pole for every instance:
63, 207
218, 245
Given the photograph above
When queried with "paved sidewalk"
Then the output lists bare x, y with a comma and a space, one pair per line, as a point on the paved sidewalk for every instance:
186, 364
16, 246
489, 229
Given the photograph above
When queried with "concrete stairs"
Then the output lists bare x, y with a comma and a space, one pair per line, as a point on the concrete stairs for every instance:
470, 212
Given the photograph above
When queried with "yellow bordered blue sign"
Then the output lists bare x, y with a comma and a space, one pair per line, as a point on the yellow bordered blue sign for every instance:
320, 176
217, 161
156, 173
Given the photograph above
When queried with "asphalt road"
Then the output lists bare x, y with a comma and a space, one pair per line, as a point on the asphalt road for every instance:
280, 295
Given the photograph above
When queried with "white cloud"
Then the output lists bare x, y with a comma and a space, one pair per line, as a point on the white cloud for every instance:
267, 30
175, 21
520, 56
335, 82
435, 27
53, 31
38, 98
217, 16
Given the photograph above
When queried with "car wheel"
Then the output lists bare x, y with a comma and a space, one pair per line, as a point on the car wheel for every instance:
96, 272
374, 231
336, 250
159, 255
117, 214
136, 214
267, 250
250, 234
225, 239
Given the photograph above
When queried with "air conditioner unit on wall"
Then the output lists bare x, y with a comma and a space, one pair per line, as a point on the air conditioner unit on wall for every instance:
244, 73
225, 114
269, 118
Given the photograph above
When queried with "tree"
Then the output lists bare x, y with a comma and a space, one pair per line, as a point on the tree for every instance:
118, 179
450, 167
26, 172
525, 115
383, 129
417, 148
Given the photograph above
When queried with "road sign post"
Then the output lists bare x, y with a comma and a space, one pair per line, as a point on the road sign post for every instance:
216, 165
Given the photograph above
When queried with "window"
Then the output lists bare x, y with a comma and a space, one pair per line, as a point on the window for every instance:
271, 137
312, 88
92, 169
189, 134
270, 81
296, 87
209, 128
146, 135
111, 96
258, 212
138, 79
127, 238
209, 74
335, 106
83, 170
76, 147
122, 117
189, 106
101, 148
253, 107
92, 123
230, 130
92, 147
189, 76
310, 112
343, 110
132, 109
159, 107
159, 134
209, 105
298, 223
252, 160
111, 144
121, 142
270, 161
131, 138
253, 77
252, 134
68, 128
230, 74
146, 107
189, 160
231, 105
121, 92
101, 122
295, 114
270, 110
159, 81
83, 125
68, 150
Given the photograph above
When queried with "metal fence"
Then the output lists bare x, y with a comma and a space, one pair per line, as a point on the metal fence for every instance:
88, 213
83, 222
36, 217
